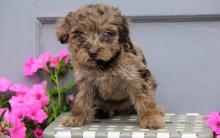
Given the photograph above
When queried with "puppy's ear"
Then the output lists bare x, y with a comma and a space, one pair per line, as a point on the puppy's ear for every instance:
123, 30
124, 37
63, 28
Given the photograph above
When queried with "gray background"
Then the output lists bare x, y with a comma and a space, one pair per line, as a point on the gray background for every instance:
183, 56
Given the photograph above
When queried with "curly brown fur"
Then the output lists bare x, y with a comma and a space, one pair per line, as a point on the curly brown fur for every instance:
110, 69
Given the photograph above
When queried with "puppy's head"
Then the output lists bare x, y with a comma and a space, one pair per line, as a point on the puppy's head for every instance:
96, 34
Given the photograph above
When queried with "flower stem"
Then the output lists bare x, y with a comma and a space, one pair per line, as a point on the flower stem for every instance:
56, 80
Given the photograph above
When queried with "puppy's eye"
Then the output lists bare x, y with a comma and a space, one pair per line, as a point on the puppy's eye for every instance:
78, 34
108, 35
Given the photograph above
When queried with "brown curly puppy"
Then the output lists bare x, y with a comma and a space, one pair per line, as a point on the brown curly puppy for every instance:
110, 70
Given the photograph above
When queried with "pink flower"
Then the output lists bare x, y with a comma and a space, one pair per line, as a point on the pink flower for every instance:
36, 113
70, 99
17, 113
29, 67
35, 95
18, 130
38, 93
32, 65
38, 133
4, 84
41, 62
19, 108
54, 61
2, 111
62, 55
213, 121
17, 101
20, 89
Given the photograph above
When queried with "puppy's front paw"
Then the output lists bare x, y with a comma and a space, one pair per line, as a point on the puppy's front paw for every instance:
73, 121
152, 122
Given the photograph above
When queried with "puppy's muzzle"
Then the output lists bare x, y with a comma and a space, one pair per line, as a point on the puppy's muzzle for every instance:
103, 65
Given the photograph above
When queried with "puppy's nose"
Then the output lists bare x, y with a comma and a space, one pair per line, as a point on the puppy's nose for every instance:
92, 54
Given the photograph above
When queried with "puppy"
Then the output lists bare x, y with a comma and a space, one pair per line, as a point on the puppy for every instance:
110, 70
